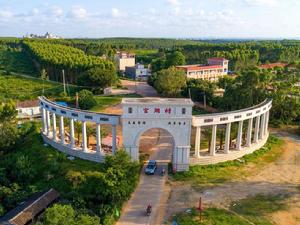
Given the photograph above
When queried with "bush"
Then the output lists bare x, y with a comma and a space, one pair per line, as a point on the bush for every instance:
66, 215
86, 99
75, 178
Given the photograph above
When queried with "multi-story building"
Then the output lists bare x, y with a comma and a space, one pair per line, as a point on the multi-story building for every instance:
137, 72
124, 59
216, 68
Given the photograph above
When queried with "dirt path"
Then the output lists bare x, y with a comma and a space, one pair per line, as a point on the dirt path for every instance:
141, 88
280, 177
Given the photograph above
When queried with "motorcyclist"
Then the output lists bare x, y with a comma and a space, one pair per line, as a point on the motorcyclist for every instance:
149, 209
163, 171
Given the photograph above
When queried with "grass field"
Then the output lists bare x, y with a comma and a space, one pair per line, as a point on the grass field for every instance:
23, 88
106, 101
251, 210
215, 174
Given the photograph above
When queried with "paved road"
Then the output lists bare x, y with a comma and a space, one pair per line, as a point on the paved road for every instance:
150, 188
141, 88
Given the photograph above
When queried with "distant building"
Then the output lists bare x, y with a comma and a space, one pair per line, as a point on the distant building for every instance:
28, 109
272, 65
29, 210
216, 68
137, 72
46, 36
123, 60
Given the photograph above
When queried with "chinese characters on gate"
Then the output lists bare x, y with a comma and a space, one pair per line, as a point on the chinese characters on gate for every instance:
158, 110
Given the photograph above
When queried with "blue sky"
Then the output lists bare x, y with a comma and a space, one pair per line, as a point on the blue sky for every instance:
152, 18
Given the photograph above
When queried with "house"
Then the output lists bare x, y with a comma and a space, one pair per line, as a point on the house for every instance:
272, 65
27, 211
137, 72
123, 60
212, 71
28, 109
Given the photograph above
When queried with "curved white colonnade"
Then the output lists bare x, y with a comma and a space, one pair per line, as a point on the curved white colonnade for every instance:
174, 115
58, 139
256, 116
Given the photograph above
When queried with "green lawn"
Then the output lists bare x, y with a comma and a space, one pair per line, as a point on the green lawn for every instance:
201, 176
251, 210
106, 101
23, 88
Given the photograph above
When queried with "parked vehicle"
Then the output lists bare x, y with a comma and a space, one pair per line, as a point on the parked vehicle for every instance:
151, 167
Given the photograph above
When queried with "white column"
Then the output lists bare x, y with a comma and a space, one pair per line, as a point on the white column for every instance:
44, 125
266, 122
240, 136
197, 142
72, 140
213, 140
98, 137
256, 131
84, 139
262, 125
249, 132
48, 122
62, 130
227, 138
54, 127
114, 139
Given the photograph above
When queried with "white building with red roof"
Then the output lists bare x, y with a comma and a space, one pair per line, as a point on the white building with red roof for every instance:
216, 68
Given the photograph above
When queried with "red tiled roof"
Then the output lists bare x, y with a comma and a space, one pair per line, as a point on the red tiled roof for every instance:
200, 67
272, 65
28, 104
217, 58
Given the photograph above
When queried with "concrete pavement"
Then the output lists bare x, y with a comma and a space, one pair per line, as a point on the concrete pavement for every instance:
150, 188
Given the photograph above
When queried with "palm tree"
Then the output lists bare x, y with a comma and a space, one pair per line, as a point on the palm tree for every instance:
78, 130
90, 131
44, 76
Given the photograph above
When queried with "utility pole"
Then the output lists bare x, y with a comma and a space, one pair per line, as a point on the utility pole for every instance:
204, 100
64, 81
76, 101
190, 93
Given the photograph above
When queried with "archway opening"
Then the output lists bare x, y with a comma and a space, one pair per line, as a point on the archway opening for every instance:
156, 144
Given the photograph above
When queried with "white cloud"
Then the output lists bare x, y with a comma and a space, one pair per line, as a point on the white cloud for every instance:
57, 11
152, 10
262, 2
173, 2
5, 14
78, 12
34, 12
115, 12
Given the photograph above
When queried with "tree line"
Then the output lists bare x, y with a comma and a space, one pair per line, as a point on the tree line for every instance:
57, 57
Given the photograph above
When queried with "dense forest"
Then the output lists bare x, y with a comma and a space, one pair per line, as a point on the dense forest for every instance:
78, 55
57, 57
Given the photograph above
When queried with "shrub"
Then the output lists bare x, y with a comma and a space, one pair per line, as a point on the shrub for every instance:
75, 178
66, 215
86, 99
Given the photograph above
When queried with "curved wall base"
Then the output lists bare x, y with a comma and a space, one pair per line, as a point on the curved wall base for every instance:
232, 155
76, 152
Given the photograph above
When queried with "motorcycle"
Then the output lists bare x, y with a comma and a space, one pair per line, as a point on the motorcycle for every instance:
162, 173
148, 210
